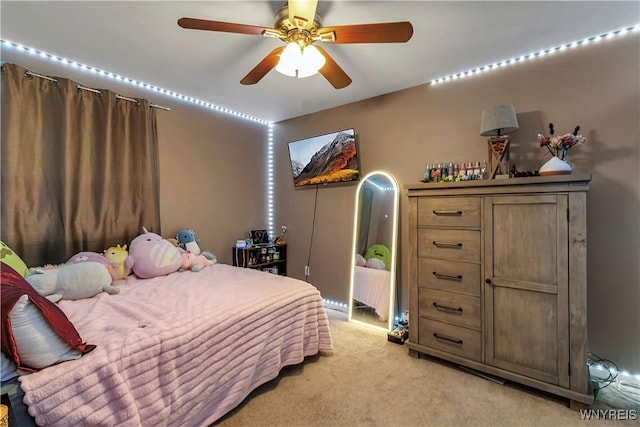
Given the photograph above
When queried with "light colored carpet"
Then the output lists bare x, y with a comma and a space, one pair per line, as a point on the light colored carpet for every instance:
369, 381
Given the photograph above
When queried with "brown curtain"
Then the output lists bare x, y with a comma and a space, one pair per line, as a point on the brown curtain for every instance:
79, 168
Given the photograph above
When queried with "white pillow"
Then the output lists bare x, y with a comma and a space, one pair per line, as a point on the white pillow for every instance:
376, 263
37, 344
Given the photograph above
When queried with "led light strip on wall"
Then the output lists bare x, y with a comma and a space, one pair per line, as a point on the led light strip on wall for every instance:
77, 65
337, 305
270, 182
538, 54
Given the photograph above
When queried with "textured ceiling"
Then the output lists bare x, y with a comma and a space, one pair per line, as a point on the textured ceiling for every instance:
141, 40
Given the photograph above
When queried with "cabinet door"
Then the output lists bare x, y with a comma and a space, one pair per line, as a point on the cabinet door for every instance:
526, 286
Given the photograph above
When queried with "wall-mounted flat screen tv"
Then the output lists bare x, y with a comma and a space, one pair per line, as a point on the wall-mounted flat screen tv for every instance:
325, 159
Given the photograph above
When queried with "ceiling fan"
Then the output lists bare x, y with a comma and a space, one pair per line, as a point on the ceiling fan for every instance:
300, 26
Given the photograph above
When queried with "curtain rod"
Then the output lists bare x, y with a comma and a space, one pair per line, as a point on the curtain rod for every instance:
51, 79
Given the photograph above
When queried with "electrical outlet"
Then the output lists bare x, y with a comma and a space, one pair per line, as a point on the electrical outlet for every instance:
307, 270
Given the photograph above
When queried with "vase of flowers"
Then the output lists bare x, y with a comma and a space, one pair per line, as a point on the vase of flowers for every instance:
559, 147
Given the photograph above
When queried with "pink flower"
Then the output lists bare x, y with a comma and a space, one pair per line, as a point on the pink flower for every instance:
544, 140
559, 145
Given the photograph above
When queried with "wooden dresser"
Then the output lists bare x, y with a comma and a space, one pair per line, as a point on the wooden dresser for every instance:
497, 279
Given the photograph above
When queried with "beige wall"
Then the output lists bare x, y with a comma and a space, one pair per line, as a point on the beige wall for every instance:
212, 173
596, 87
212, 176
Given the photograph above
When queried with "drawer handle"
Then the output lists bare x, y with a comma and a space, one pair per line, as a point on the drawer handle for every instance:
457, 278
451, 340
441, 212
444, 307
448, 245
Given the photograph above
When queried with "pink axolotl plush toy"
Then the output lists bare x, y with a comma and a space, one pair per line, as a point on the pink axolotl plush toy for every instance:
193, 262
153, 256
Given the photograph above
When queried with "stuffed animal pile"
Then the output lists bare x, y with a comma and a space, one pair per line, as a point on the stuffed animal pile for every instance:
87, 274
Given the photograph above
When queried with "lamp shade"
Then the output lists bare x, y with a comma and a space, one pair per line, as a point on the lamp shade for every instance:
498, 120
312, 61
298, 62
290, 59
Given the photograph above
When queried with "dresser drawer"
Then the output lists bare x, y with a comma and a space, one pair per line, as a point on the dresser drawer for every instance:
449, 211
449, 275
457, 245
452, 339
463, 310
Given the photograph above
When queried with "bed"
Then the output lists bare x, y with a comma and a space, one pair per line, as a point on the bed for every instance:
371, 288
178, 350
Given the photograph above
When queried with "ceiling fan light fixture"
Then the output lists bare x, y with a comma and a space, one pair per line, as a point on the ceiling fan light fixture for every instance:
299, 62
290, 58
312, 61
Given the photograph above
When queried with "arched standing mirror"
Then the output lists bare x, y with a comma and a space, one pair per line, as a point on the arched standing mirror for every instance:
373, 266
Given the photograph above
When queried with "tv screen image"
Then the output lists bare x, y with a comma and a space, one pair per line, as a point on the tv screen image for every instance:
324, 159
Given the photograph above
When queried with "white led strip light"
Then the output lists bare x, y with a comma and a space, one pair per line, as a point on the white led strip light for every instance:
335, 304
538, 54
270, 183
623, 377
77, 65
152, 88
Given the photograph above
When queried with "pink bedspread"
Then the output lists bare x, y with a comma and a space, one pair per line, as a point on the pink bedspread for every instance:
373, 287
179, 350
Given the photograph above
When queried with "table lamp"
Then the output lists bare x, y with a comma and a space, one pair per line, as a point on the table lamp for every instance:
497, 122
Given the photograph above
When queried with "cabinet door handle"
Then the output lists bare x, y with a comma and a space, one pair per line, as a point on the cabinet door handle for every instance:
442, 212
457, 278
451, 340
488, 281
448, 245
444, 307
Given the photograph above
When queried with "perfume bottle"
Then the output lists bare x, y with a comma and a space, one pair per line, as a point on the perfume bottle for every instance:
437, 173
463, 171
427, 173
476, 170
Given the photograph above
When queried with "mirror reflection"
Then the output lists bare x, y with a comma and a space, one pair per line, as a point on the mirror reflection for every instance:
373, 268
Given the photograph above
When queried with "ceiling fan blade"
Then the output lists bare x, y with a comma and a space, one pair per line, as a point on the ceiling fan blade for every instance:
389, 32
263, 67
302, 12
226, 27
332, 71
